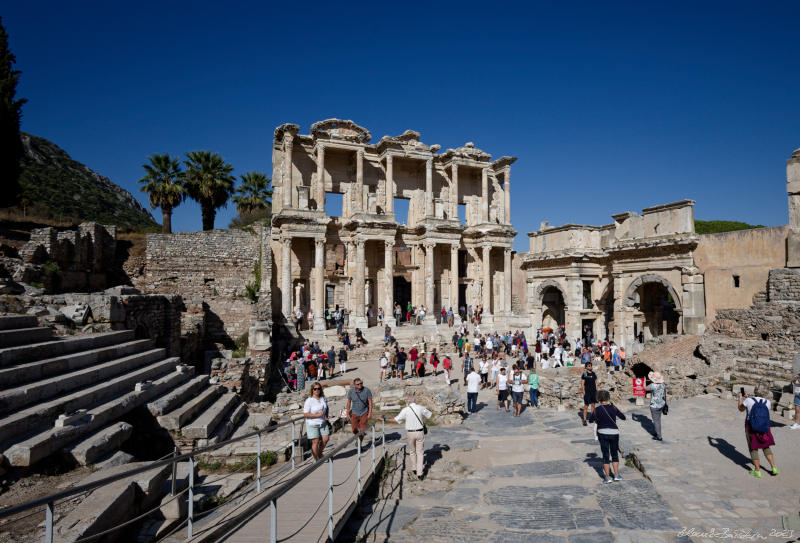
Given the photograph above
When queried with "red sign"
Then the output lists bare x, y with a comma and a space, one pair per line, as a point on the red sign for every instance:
638, 387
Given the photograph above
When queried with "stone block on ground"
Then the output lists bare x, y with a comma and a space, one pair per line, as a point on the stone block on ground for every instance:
101, 443
205, 424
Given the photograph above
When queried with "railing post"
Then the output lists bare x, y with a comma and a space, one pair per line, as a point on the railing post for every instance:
358, 467
372, 446
190, 515
273, 522
174, 471
292, 444
383, 436
330, 498
48, 523
258, 465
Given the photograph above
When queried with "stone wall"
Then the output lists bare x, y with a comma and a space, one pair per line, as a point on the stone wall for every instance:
736, 265
211, 268
758, 343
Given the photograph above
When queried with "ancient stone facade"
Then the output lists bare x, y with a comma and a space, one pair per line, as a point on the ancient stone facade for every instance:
634, 275
366, 259
82, 255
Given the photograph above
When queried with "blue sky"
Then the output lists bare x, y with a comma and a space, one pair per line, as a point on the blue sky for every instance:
609, 106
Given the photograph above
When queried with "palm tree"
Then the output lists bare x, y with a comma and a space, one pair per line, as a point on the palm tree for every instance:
254, 193
208, 180
162, 183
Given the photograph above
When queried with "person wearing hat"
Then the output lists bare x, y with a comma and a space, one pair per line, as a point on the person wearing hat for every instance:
658, 394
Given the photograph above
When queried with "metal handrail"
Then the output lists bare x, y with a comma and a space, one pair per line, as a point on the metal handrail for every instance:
51, 498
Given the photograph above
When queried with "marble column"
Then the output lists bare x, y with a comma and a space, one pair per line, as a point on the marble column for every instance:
319, 284
429, 187
360, 279
359, 189
429, 261
320, 195
507, 190
507, 281
389, 187
485, 195
454, 278
388, 269
454, 192
286, 185
487, 280
286, 278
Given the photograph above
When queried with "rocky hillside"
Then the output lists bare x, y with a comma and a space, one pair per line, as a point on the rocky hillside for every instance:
57, 187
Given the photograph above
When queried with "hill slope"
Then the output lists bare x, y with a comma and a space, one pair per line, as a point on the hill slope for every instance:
56, 186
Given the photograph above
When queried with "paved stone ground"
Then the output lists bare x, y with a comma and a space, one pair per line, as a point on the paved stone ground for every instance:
502, 479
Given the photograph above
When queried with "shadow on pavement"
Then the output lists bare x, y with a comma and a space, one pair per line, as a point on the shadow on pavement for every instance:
595, 462
645, 422
729, 451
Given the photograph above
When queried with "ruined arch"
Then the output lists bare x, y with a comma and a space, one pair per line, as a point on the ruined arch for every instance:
631, 298
544, 286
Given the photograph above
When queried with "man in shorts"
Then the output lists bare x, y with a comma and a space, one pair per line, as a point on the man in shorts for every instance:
589, 389
518, 383
359, 407
401, 362
384, 366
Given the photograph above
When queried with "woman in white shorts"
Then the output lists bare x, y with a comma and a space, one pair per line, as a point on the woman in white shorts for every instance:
315, 411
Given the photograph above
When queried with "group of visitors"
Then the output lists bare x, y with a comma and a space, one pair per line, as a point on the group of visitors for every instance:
310, 363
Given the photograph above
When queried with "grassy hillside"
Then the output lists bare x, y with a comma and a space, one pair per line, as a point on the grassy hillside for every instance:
56, 187
715, 227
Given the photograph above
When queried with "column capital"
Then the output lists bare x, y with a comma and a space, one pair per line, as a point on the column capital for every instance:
389, 158
319, 243
389, 244
507, 250
288, 138
428, 245
486, 246
429, 162
454, 247
360, 153
360, 243
286, 240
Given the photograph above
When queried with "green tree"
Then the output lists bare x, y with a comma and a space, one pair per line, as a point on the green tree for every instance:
253, 193
11, 149
208, 180
162, 183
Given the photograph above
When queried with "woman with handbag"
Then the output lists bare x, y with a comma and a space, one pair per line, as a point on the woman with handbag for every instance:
658, 401
315, 411
605, 416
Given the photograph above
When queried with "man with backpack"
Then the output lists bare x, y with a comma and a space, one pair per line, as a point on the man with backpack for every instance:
757, 428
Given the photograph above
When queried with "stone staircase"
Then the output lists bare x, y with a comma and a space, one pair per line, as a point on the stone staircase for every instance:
67, 395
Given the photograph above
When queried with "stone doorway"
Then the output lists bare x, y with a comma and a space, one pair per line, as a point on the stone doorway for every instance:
462, 297
658, 310
552, 308
402, 293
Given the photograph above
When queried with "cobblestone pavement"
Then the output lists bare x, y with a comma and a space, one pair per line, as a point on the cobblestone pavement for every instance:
502, 479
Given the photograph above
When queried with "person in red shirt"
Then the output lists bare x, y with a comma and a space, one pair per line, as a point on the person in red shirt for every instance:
412, 356
447, 364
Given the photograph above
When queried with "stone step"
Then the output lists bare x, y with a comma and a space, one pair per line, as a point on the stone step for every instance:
51, 440
24, 395
44, 414
99, 444
9, 322
226, 427
177, 397
205, 424
176, 418
24, 336
32, 371
57, 347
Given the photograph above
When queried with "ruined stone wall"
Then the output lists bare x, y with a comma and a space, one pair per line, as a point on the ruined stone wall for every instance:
758, 342
211, 268
748, 255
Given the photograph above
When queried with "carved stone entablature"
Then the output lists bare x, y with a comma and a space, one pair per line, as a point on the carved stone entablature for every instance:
502, 162
286, 128
338, 129
467, 151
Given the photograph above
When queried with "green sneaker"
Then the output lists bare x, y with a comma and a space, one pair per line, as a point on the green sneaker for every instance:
775, 471
755, 473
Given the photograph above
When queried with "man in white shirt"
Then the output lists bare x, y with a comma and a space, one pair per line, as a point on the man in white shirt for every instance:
384, 366
473, 386
413, 415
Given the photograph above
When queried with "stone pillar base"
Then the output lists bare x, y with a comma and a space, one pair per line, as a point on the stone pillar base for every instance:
487, 318
319, 324
358, 322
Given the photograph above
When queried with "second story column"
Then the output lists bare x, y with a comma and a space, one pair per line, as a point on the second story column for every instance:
286, 278
507, 280
319, 284
485, 195
429, 187
287, 187
389, 187
487, 280
359, 268
359, 190
320, 195
507, 190
454, 193
388, 268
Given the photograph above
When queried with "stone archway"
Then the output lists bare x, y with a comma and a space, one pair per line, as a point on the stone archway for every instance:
540, 290
656, 302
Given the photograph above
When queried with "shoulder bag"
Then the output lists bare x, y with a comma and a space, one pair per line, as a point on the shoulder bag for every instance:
665, 408
424, 426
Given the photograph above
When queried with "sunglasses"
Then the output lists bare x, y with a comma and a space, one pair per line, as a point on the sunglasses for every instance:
315, 388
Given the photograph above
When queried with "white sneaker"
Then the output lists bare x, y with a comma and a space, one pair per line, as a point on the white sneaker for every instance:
795, 426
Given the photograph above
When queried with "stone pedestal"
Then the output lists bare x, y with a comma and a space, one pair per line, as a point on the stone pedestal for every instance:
258, 336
